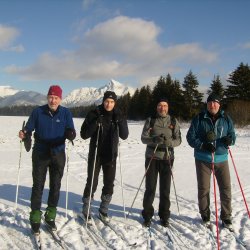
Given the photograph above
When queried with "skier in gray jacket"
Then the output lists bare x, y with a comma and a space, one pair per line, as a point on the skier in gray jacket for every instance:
161, 131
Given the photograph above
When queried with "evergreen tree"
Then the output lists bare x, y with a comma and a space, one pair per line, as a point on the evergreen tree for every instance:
216, 87
132, 112
240, 83
123, 103
159, 90
192, 97
144, 103
176, 99
171, 89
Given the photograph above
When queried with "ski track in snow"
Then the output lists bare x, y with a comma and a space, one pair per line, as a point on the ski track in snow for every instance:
185, 231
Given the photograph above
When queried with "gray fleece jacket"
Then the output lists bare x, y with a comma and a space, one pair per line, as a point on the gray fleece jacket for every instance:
162, 126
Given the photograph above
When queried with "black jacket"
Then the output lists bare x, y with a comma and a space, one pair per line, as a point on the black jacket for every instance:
109, 124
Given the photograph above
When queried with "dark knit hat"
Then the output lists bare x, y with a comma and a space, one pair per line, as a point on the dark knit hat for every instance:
162, 99
109, 94
213, 98
55, 90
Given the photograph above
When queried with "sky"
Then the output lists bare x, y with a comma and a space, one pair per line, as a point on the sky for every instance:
86, 43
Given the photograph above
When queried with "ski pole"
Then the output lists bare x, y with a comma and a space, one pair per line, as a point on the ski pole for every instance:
129, 212
67, 179
215, 202
19, 166
238, 178
123, 201
172, 175
93, 173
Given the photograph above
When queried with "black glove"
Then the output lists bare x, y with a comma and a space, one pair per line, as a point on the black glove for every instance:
159, 139
94, 118
208, 147
70, 134
227, 140
27, 140
211, 136
117, 115
99, 119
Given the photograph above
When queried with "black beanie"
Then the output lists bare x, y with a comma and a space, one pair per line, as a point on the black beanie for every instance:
213, 98
109, 94
162, 99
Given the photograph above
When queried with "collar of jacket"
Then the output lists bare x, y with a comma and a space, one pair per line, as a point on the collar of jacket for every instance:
103, 112
50, 112
160, 116
218, 115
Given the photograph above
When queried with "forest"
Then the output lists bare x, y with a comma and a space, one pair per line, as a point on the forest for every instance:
185, 100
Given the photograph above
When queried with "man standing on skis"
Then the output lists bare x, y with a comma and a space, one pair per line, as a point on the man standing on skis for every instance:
103, 125
52, 124
210, 134
161, 133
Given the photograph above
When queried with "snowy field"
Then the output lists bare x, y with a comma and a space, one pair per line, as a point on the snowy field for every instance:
185, 232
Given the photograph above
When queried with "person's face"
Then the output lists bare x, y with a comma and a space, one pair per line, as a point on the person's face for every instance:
213, 107
162, 108
53, 102
109, 104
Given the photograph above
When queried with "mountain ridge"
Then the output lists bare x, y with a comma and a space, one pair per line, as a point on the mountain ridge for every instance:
78, 97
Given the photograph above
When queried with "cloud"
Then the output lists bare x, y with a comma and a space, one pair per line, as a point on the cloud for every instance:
87, 3
7, 37
118, 47
246, 45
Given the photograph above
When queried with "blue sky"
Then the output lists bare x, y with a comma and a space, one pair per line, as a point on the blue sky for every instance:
76, 43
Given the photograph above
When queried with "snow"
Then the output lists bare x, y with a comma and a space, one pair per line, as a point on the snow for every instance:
14, 223
7, 91
90, 95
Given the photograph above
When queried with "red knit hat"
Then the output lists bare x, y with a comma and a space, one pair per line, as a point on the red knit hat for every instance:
55, 90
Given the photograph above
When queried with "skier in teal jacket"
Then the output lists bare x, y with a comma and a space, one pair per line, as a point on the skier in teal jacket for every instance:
210, 134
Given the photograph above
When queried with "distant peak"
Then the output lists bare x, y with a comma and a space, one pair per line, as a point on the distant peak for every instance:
7, 91
114, 83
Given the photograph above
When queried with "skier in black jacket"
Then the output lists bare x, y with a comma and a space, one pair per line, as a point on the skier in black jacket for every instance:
106, 123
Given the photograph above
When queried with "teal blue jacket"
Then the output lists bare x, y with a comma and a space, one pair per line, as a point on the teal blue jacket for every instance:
196, 136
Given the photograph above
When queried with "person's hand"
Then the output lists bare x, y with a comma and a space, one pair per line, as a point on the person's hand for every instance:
22, 134
99, 120
227, 140
208, 146
94, 118
70, 134
117, 115
211, 136
159, 139
26, 138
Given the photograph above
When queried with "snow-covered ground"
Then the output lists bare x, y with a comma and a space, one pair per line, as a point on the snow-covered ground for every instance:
188, 232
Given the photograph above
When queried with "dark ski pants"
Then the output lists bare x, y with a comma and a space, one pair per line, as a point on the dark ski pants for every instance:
109, 171
163, 168
41, 162
222, 174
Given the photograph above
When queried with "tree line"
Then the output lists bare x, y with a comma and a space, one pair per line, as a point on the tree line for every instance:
185, 100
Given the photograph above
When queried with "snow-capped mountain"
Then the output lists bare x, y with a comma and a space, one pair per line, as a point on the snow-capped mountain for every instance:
87, 96
7, 91
78, 97
23, 98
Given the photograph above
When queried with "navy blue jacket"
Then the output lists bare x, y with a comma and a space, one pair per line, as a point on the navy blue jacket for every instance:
49, 128
196, 136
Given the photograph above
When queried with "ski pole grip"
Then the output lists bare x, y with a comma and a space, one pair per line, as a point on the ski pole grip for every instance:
23, 125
